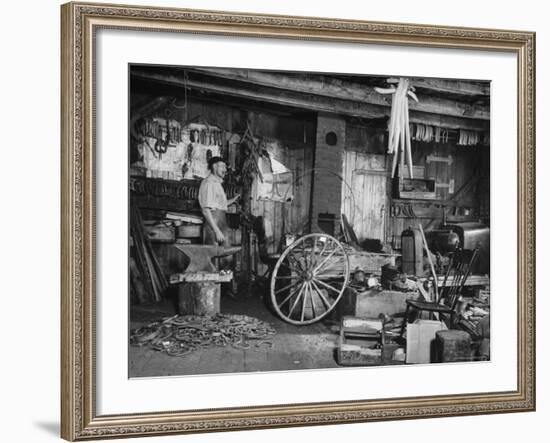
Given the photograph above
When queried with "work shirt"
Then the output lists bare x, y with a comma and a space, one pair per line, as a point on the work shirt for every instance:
211, 193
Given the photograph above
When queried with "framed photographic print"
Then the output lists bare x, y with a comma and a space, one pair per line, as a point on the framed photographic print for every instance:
280, 221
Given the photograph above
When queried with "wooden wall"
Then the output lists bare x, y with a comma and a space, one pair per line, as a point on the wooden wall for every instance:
294, 138
365, 200
290, 140
293, 217
365, 144
467, 161
291, 130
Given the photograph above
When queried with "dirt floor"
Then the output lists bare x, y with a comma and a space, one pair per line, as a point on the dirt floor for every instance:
293, 347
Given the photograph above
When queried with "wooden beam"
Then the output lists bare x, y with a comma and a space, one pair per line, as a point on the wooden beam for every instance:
448, 122
460, 87
147, 108
308, 101
437, 203
332, 87
281, 97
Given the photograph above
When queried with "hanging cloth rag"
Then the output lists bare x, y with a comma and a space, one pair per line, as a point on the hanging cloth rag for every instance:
276, 183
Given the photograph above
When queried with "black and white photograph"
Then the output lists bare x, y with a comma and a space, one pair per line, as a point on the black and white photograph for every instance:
282, 221
279, 220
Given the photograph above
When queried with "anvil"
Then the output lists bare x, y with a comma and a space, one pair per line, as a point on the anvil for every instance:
201, 256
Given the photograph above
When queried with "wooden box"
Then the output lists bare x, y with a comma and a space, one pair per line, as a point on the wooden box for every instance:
361, 342
416, 188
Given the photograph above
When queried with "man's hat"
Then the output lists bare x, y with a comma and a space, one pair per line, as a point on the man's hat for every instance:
213, 161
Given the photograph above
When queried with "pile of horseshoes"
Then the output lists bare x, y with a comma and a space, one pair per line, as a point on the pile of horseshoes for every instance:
183, 334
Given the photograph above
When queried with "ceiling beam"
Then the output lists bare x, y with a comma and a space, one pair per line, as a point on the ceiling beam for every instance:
306, 101
347, 90
461, 87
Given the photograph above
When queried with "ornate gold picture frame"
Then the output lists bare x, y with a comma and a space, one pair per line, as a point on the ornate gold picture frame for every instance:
80, 23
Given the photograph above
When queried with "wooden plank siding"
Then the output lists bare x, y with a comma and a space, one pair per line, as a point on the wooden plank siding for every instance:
466, 162
366, 166
363, 144
291, 217
365, 198
294, 137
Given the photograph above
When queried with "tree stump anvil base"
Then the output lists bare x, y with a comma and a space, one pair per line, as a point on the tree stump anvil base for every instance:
199, 298
199, 285
199, 292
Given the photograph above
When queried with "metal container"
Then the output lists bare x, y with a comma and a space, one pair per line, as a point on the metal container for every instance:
189, 231
442, 240
472, 235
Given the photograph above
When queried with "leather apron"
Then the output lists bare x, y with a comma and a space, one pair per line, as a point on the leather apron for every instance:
208, 234
209, 237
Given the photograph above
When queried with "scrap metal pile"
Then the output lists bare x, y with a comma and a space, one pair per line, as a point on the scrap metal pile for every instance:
182, 334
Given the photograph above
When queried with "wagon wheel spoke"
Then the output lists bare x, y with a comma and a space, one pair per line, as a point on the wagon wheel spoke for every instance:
326, 285
335, 261
328, 257
312, 256
297, 263
319, 292
313, 271
287, 287
288, 297
297, 299
324, 248
316, 255
311, 299
303, 254
332, 276
301, 250
304, 299
310, 253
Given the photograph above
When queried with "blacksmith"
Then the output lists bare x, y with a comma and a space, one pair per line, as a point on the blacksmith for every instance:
214, 203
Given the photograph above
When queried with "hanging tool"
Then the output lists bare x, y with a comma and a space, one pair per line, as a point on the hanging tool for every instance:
161, 146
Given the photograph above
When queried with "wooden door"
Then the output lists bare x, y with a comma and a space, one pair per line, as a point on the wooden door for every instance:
364, 198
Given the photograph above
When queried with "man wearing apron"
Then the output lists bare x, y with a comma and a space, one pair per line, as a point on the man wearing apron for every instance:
214, 203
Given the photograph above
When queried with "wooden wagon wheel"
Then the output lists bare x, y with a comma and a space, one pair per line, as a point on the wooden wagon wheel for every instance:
309, 279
